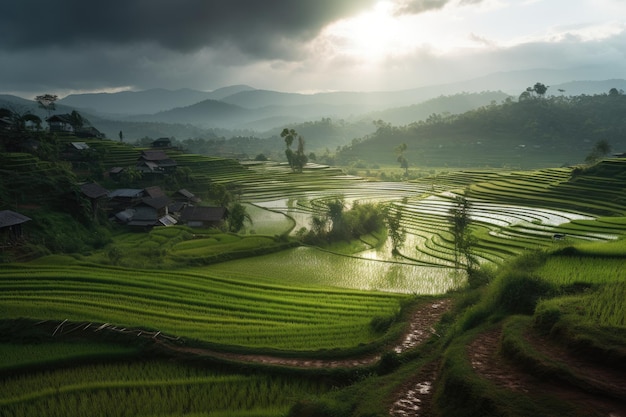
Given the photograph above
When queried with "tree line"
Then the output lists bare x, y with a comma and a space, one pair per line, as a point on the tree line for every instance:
536, 120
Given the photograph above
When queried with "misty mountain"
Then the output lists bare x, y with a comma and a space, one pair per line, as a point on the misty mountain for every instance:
205, 113
144, 102
243, 108
22, 105
341, 104
454, 104
223, 92
577, 88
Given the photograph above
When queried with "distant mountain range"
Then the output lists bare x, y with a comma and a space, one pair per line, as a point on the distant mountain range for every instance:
244, 108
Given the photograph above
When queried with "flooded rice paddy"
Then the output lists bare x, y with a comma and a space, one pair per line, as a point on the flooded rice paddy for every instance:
312, 266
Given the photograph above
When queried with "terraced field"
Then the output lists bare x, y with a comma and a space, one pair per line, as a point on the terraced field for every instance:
297, 302
221, 309
512, 212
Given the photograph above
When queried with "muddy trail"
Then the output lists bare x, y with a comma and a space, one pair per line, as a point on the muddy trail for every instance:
421, 327
604, 393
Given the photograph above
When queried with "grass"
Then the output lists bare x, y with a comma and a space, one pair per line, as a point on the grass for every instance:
203, 306
149, 388
16, 355
305, 301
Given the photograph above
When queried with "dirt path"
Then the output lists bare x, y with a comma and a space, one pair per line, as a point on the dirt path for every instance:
487, 362
421, 327
415, 397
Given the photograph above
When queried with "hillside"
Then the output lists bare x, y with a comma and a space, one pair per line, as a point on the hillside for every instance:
533, 133
181, 320
544, 337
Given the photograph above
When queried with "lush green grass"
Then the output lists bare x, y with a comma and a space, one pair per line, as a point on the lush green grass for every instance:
567, 270
204, 306
149, 388
305, 299
15, 355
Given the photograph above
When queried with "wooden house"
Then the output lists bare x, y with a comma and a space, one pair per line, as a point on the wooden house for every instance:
155, 162
194, 216
11, 225
185, 196
95, 193
162, 143
60, 123
123, 198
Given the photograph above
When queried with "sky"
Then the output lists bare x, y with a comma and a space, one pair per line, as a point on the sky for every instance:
77, 46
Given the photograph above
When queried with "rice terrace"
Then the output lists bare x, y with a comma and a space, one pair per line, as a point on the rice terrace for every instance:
284, 286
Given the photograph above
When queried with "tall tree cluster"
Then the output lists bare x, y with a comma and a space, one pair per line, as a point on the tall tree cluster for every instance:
336, 223
298, 159
459, 215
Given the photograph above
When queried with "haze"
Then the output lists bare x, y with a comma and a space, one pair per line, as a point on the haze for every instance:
73, 46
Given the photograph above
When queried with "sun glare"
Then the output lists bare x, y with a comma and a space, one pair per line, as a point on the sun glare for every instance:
371, 36
381, 34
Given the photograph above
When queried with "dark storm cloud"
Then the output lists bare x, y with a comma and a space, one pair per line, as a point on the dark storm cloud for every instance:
252, 26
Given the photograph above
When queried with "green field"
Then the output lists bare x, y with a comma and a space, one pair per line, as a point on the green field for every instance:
261, 292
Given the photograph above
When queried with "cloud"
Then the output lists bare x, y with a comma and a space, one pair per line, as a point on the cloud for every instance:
66, 46
255, 27
421, 6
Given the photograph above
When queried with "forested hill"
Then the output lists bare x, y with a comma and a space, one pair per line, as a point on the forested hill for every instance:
533, 132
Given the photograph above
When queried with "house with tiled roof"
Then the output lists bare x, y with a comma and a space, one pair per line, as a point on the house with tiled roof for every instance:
11, 225
155, 162
195, 216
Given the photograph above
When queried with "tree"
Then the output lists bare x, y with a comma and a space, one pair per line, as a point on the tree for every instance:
396, 232
237, 217
463, 240
18, 121
77, 121
220, 195
297, 160
538, 90
334, 212
130, 176
46, 102
300, 159
600, 149
404, 163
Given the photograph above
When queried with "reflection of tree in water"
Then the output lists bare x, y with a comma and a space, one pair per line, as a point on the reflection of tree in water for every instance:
395, 276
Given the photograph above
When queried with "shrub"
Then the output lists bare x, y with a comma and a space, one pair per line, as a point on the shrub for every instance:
519, 293
382, 324
389, 362
477, 278
546, 318
316, 408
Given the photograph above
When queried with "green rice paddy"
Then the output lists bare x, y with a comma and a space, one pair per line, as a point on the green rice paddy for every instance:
300, 300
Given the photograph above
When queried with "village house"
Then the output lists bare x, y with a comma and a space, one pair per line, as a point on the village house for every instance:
143, 209
155, 162
124, 198
61, 123
95, 193
65, 123
162, 143
185, 196
11, 225
194, 216
75, 151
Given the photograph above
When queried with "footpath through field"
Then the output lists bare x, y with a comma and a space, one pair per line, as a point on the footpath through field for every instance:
488, 362
421, 327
